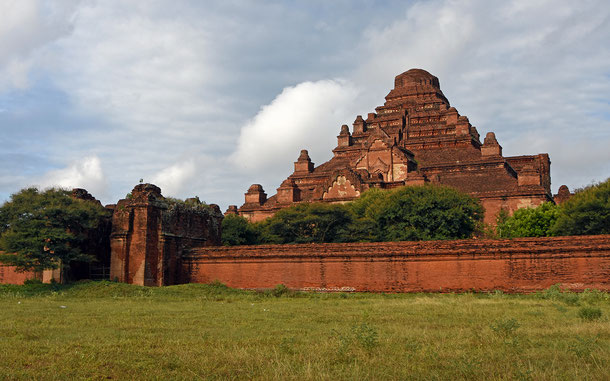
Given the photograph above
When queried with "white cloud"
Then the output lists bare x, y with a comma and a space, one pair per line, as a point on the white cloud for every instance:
173, 179
85, 173
26, 26
143, 71
305, 116
153, 85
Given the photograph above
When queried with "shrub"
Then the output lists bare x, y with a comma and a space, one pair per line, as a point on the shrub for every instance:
236, 230
505, 327
307, 223
589, 313
528, 222
587, 212
424, 213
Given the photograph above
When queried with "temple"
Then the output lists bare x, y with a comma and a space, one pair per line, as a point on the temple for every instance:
416, 137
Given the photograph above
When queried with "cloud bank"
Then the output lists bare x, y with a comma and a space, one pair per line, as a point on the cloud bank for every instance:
206, 99
295, 120
86, 173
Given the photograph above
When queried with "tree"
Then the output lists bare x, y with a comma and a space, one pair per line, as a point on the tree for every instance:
41, 230
426, 213
307, 222
406, 213
529, 222
236, 230
587, 212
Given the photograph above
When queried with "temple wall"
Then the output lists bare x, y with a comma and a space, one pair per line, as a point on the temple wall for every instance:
518, 265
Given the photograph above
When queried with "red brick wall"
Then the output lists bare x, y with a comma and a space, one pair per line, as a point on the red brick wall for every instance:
519, 265
8, 275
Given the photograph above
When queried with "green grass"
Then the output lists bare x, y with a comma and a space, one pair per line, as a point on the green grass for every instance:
105, 330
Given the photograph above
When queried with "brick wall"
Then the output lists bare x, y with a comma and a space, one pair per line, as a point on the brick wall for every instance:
8, 275
518, 265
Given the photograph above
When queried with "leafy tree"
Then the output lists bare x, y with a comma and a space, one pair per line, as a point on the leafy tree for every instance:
528, 222
587, 212
307, 222
427, 212
369, 203
40, 230
407, 213
236, 230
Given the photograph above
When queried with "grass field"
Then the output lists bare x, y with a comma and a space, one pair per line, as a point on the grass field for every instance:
105, 330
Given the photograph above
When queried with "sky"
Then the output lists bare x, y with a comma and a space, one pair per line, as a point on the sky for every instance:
206, 98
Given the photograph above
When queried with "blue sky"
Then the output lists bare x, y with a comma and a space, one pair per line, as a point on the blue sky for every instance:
206, 98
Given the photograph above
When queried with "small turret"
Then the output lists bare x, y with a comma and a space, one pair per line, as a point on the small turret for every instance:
344, 139
256, 195
287, 192
490, 146
232, 209
303, 163
563, 195
359, 125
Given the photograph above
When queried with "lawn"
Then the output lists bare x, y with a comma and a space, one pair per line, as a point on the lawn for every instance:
106, 330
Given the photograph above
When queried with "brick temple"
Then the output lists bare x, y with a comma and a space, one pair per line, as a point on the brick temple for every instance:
416, 137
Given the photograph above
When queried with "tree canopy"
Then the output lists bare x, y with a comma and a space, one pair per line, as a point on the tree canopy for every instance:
426, 212
236, 230
307, 223
407, 213
41, 229
528, 222
587, 212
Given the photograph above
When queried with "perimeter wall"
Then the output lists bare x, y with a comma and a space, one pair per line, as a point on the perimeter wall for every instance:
517, 265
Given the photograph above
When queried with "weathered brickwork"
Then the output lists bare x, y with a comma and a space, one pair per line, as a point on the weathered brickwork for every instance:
149, 234
416, 137
517, 265
9, 275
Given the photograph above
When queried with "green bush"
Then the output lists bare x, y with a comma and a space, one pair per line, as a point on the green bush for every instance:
307, 223
587, 212
505, 327
528, 222
427, 213
407, 213
236, 230
589, 313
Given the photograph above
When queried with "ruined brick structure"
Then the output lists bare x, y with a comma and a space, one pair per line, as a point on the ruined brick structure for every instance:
150, 232
416, 137
516, 265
